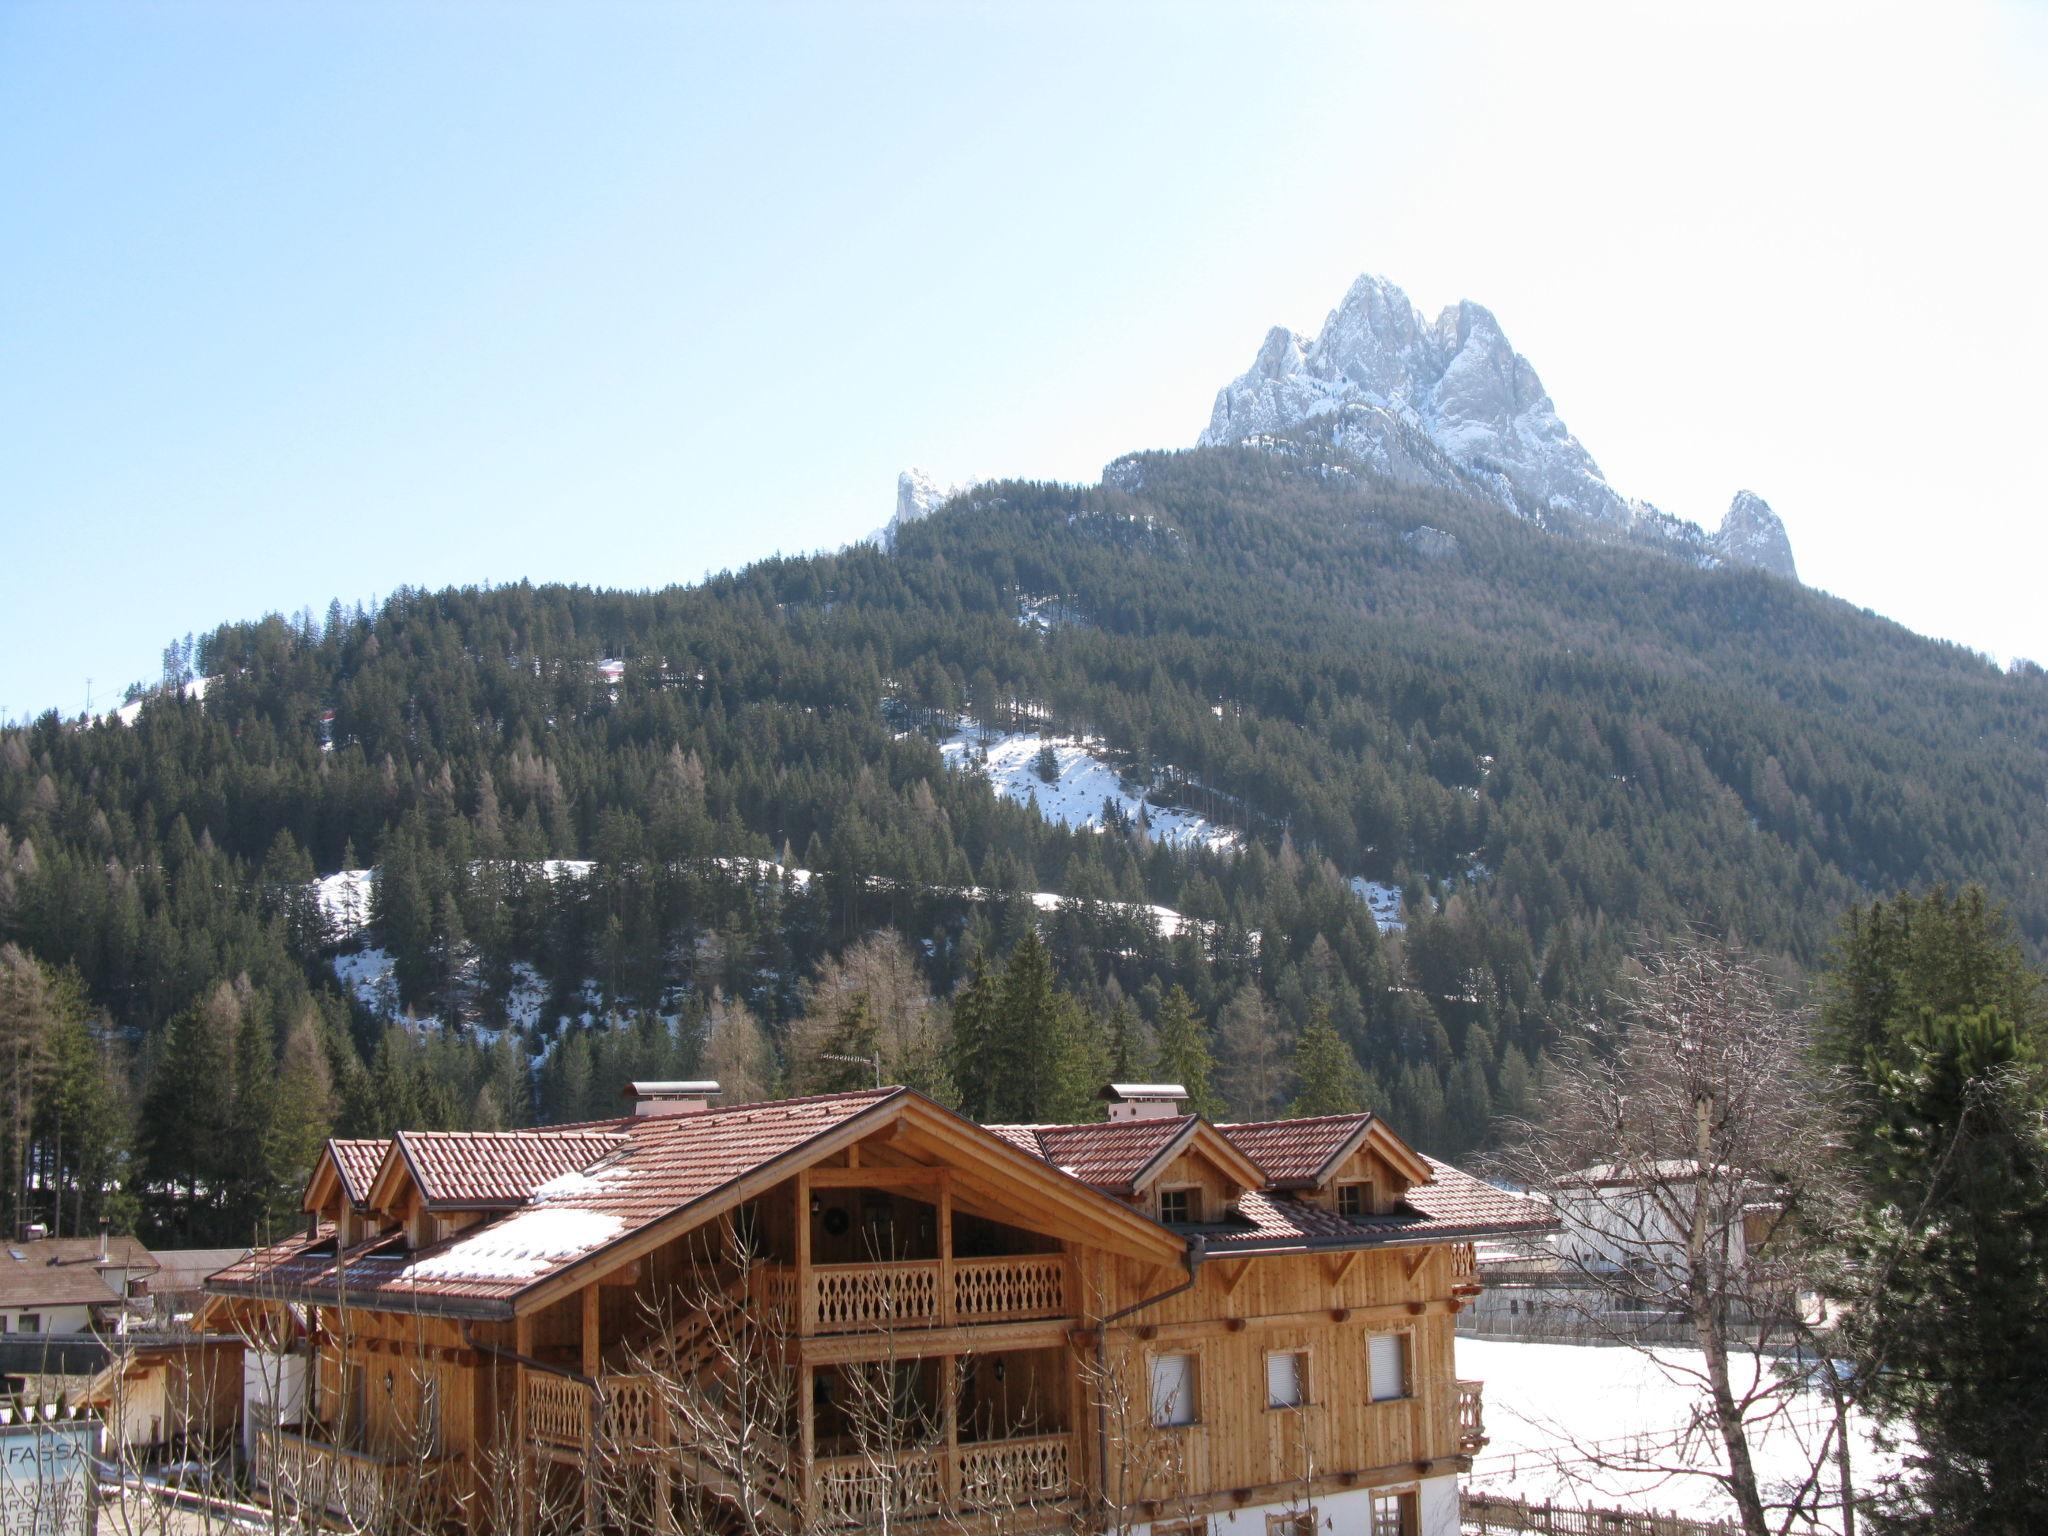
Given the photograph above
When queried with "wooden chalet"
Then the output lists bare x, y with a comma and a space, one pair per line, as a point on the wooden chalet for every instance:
679, 1319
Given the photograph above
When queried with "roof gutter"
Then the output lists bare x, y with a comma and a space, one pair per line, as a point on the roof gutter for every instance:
1419, 1240
1197, 1251
499, 1352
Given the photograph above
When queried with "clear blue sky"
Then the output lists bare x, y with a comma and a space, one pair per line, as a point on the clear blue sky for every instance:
299, 301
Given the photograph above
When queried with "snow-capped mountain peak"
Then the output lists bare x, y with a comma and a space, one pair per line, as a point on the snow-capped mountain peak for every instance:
1447, 403
1752, 534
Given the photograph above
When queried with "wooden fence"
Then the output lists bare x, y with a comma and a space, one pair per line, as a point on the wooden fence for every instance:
1488, 1513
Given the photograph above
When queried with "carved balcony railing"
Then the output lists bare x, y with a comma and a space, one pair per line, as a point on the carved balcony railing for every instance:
853, 1298
917, 1293
1464, 1269
353, 1489
1471, 1418
1001, 1474
557, 1410
992, 1479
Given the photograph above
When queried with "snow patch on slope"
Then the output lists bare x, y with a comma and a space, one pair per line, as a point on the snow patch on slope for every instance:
1084, 782
1383, 901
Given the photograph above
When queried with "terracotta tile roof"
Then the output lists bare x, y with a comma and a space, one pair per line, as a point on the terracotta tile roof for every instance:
473, 1169
1452, 1207
666, 1163
1295, 1153
1109, 1155
357, 1161
1454, 1196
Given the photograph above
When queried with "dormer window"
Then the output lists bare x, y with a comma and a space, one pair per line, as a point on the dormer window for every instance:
1180, 1207
1355, 1199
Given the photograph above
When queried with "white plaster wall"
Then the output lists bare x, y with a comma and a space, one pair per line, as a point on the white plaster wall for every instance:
273, 1392
1348, 1513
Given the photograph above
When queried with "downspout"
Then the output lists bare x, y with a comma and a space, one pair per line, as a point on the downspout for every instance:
498, 1351
1197, 1251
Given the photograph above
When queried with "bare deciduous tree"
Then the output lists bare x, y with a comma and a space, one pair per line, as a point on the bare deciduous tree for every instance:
1687, 1153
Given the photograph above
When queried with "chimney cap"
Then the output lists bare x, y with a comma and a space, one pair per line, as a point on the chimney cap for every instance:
1124, 1092
672, 1098
671, 1090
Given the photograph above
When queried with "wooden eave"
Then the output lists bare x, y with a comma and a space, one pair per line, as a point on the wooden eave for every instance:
328, 1178
1200, 1136
393, 1174
990, 1177
1402, 1157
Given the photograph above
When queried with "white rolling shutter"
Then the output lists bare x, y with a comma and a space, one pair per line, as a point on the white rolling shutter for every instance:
1389, 1366
1173, 1389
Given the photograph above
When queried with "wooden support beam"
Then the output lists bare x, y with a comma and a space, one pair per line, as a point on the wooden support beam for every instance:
876, 1176
807, 1436
946, 1297
593, 1297
1336, 1269
924, 1343
523, 1470
806, 1319
1171, 1332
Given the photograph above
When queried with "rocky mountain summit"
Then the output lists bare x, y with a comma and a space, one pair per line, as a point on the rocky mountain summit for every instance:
1752, 534
1452, 404
918, 495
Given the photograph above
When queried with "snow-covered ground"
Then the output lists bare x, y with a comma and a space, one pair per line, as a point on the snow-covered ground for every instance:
367, 974
1085, 780
1546, 1405
130, 712
1383, 900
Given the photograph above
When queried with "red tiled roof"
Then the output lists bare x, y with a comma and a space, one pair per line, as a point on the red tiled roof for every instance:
667, 1162
472, 1169
1109, 1155
1451, 1207
357, 1161
1296, 1153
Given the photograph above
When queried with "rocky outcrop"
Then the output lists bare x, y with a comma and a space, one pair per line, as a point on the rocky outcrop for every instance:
1752, 534
918, 496
1450, 403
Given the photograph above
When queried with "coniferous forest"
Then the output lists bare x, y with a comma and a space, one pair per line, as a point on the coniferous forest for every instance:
741, 853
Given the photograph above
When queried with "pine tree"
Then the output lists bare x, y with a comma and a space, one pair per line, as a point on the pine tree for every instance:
1251, 1068
300, 1120
29, 1012
1078, 1067
1948, 1267
736, 1053
1023, 1045
1129, 1060
1327, 1077
851, 1051
975, 1025
1184, 1054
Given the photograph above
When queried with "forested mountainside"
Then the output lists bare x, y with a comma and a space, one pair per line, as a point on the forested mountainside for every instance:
621, 834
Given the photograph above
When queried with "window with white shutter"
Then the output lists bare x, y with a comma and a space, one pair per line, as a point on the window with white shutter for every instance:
1389, 1366
1173, 1390
1286, 1379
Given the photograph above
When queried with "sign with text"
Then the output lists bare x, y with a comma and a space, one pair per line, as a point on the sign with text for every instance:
46, 1481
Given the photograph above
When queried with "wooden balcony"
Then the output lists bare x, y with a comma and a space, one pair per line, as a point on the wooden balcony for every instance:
935, 1293
995, 1480
353, 1490
984, 1478
1471, 1418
